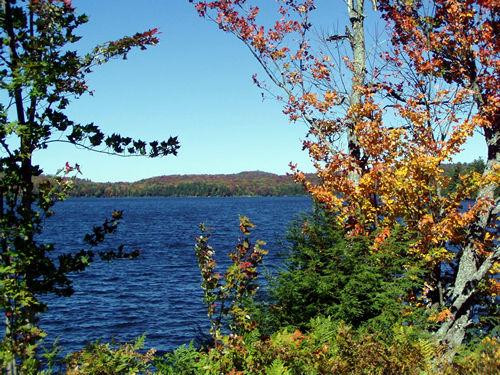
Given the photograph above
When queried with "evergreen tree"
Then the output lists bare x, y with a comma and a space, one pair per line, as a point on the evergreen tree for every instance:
329, 274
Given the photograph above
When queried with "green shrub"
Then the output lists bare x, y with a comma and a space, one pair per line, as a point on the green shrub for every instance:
182, 361
329, 347
111, 359
480, 359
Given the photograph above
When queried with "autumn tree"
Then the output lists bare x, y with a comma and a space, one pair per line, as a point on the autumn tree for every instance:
39, 74
382, 121
455, 43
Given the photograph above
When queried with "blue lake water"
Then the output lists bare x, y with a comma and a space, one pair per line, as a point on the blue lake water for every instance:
158, 293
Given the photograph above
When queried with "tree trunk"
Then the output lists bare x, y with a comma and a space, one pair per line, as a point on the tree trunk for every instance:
11, 368
356, 36
25, 155
472, 269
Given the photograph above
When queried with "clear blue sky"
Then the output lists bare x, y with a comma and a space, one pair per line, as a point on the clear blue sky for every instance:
196, 84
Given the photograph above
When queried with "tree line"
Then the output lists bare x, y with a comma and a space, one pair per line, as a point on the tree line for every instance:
237, 185
225, 185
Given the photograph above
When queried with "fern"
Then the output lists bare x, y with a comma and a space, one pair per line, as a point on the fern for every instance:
427, 350
277, 368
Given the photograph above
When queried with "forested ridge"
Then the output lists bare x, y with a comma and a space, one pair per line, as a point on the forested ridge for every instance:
254, 183
202, 185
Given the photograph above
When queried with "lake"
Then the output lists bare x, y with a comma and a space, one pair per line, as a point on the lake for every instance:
159, 292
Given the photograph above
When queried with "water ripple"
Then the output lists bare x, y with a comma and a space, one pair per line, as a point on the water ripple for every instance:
159, 292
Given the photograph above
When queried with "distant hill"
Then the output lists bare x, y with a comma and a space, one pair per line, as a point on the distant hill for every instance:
255, 183
223, 185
